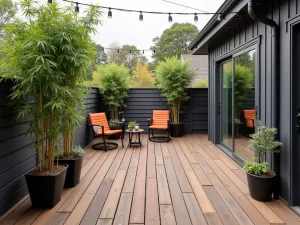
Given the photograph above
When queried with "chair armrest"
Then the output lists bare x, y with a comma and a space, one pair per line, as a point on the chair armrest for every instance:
100, 125
150, 121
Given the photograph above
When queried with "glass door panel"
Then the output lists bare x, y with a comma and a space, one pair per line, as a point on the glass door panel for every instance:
226, 104
244, 104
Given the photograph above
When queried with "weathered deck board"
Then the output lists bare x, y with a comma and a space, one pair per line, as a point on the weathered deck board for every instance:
187, 181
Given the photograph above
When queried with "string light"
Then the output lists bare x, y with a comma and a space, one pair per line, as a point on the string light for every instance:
118, 51
77, 7
219, 18
143, 51
196, 17
109, 13
141, 16
50, 1
170, 18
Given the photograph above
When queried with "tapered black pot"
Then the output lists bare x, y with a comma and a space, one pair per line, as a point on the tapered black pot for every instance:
261, 188
45, 191
176, 129
73, 172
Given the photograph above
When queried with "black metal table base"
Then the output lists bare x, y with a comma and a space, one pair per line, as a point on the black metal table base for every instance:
134, 142
105, 146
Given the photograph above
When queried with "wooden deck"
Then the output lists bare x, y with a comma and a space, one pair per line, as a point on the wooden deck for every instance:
186, 181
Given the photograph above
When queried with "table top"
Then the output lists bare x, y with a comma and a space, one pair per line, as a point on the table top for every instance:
135, 131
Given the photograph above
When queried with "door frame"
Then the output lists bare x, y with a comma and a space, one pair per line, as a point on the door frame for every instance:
249, 46
295, 136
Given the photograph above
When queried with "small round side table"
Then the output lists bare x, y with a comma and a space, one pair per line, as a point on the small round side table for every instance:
136, 132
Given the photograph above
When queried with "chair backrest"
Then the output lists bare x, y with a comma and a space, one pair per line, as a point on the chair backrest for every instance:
161, 117
99, 118
249, 115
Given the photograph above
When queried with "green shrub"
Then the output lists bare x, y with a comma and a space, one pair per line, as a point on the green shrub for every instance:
174, 77
77, 152
131, 124
201, 83
256, 168
114, 84
263, 141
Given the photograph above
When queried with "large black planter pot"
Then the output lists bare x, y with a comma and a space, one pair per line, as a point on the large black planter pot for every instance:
73, 172
46, 191
176, 129
261, 188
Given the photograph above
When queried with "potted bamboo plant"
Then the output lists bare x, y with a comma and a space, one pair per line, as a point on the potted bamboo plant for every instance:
33, 61
174, 77
114, 85
260, 177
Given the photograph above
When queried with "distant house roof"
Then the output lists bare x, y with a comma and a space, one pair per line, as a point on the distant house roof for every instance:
198, 63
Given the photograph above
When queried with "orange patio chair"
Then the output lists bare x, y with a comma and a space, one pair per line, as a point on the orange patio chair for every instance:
160, 121
99, 123
249, 115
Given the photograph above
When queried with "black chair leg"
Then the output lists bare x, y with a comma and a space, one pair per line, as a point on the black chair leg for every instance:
104, 142
149, 133
122, 141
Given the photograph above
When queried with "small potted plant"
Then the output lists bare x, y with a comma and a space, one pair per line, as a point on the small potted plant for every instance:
260, 177
131, 125
75, 163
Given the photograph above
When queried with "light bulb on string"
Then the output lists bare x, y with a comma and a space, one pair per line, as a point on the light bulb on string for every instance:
77, 7
118, 51
141, 16
170, 18
196, 17
109, 13
220, 17
50, 1
143, 51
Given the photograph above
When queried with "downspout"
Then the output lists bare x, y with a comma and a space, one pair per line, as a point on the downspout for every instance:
275, 83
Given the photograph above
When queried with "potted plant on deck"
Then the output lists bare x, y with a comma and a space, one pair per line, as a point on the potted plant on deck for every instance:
174, 77
260, 177
114, 85
36, 62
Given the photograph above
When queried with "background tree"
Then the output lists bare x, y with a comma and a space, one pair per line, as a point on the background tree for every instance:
130, 59
7, 11
174, 40
112, 54
100, 59
142, 77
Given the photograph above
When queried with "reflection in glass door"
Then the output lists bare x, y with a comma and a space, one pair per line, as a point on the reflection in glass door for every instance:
244, 104
226, 104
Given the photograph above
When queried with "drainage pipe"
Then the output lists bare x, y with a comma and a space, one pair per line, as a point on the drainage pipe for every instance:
275, 82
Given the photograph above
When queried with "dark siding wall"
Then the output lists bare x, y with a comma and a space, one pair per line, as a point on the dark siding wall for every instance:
17, 156
141, 103
243, 32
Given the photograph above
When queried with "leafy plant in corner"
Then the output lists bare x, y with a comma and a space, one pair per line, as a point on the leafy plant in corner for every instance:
174, 77
260, 177
114, 84
77, 152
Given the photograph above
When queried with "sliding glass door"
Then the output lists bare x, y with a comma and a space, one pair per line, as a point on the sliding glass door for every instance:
226, 104
237, 103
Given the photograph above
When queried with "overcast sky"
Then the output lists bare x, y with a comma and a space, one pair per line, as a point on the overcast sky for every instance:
125, 28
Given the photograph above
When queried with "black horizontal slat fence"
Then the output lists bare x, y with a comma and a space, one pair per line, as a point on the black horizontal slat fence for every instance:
142, 101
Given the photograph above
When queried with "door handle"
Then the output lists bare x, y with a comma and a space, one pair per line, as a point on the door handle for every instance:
298, 119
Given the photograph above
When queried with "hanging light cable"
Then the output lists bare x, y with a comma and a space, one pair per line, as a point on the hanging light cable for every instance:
196, 17
77, 7
141, 16
109, 13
